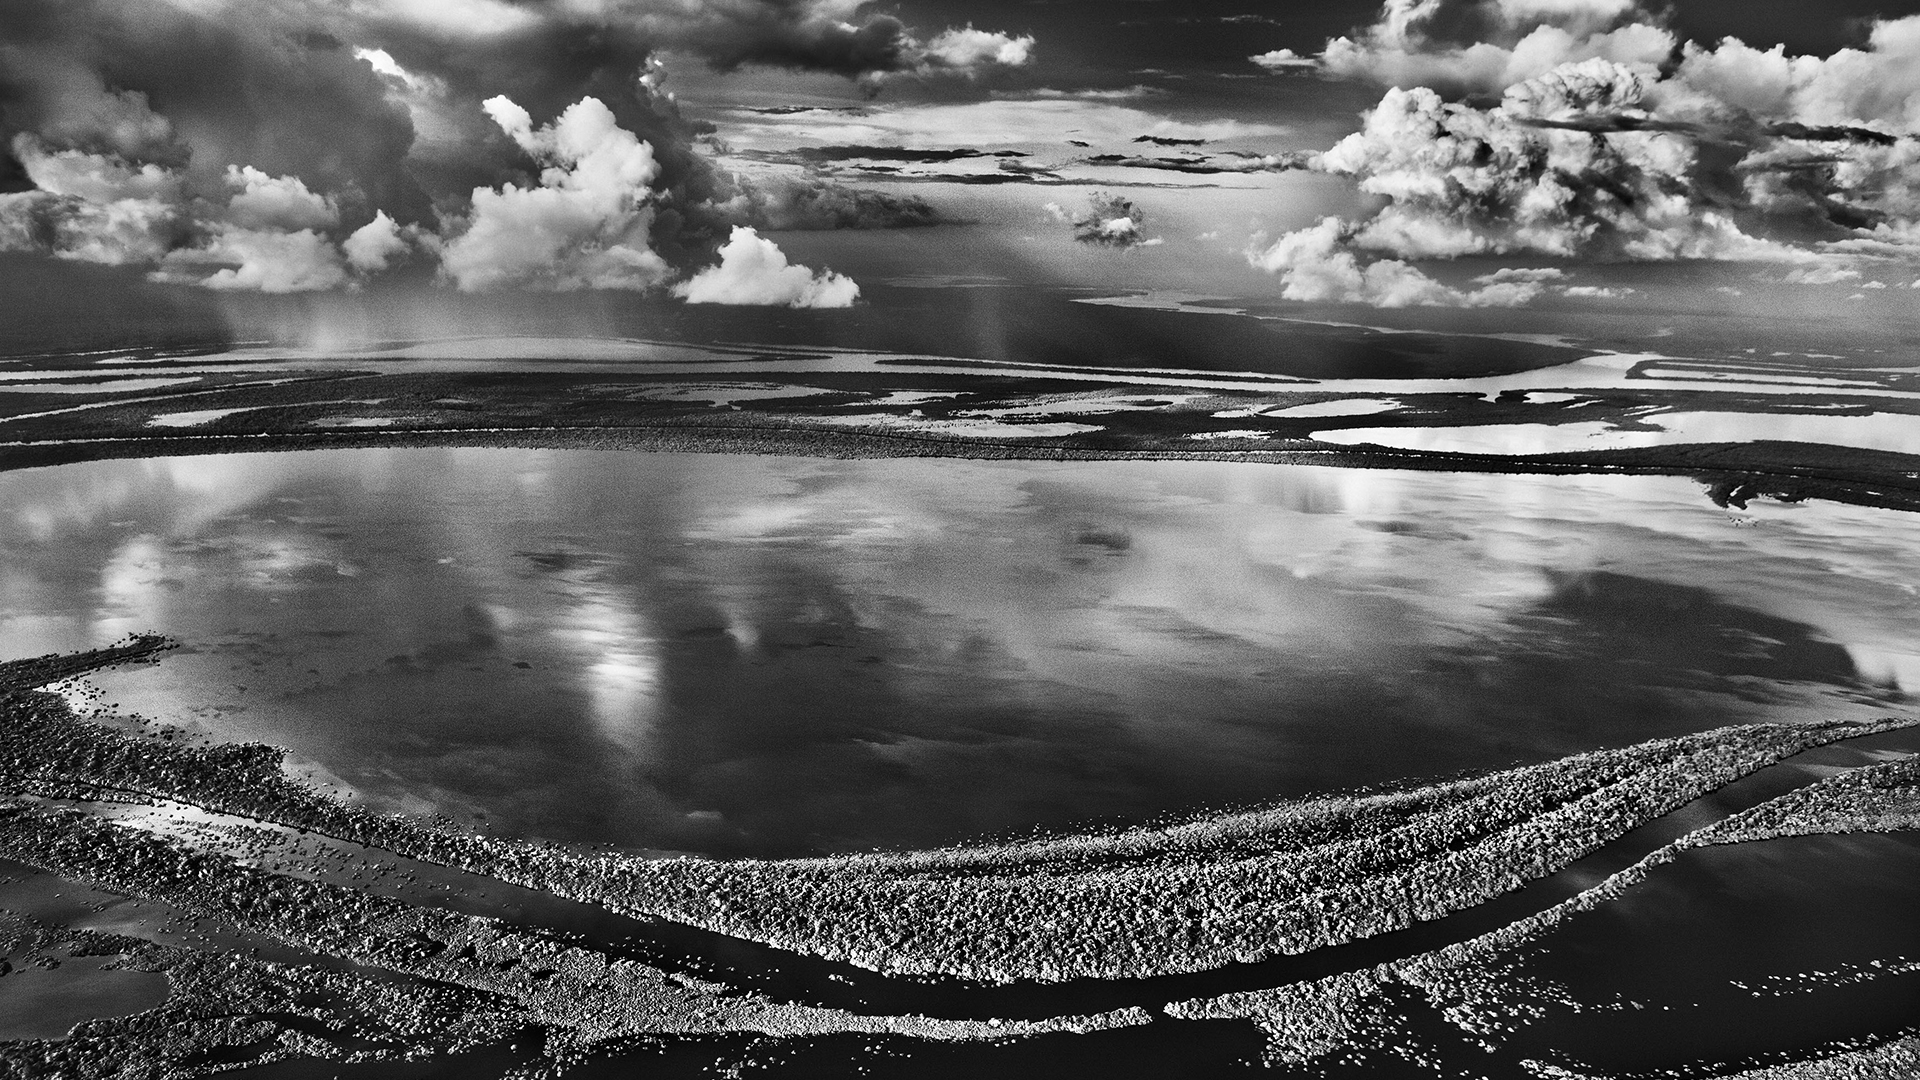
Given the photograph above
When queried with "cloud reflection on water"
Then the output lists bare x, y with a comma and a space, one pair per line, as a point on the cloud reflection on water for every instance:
780, 655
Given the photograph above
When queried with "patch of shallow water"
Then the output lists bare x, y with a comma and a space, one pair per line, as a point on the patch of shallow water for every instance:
192, 418
44, 999
1897, 433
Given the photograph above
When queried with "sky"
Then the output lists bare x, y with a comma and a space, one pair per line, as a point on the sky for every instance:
168, 156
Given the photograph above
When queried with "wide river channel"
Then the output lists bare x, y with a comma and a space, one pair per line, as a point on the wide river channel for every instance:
772, 656
776, 656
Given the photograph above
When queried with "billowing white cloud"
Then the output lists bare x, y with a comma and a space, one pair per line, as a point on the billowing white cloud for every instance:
254, 231
1284, 60
94, 177
754, 271
1514, 40
328, 113
970, 50
1876, 86
1461, 180
1521, 274
118, 233
284, 203
374, 246
258, 260
91, 207
1317, 264
1581, 163
585, 224
1595, 147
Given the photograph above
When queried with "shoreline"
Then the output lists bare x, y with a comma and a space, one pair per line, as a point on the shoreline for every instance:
1782, 470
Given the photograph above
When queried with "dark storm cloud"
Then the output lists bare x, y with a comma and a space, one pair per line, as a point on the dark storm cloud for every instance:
795, 110
1159, 140
1832, 133
811, 203
147, 82
290, 145
1023, 168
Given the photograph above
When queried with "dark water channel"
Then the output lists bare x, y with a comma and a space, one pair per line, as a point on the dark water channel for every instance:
788, 976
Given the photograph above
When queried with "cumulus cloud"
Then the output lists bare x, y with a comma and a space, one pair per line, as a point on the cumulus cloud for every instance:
249, 231
1112, 221
583, 226
1484, 46
1876, 86
1729, 154
378, 244
754, 271
1317, 264
333, 119
1521, 274
258, 260
117, 233
1670, 150
1460, 180
284, 203
91, 207
1284, 60
971, 50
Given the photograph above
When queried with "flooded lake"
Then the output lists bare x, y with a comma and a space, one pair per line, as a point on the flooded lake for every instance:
775, 656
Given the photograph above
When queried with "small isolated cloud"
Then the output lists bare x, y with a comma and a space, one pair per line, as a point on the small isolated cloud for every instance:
754, 271
969, 50
1820, 275
1521, 274
1112, 221
1284, 60
1596, 292
1109, 93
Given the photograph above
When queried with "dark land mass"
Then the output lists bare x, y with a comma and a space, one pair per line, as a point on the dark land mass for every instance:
310, 931
762, 402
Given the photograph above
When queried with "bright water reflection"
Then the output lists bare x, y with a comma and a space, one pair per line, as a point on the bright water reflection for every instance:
778, 655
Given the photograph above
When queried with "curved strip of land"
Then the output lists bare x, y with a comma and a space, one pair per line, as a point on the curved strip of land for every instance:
1127, 905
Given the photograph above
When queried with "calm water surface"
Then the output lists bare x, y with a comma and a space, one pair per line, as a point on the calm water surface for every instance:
777, 656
